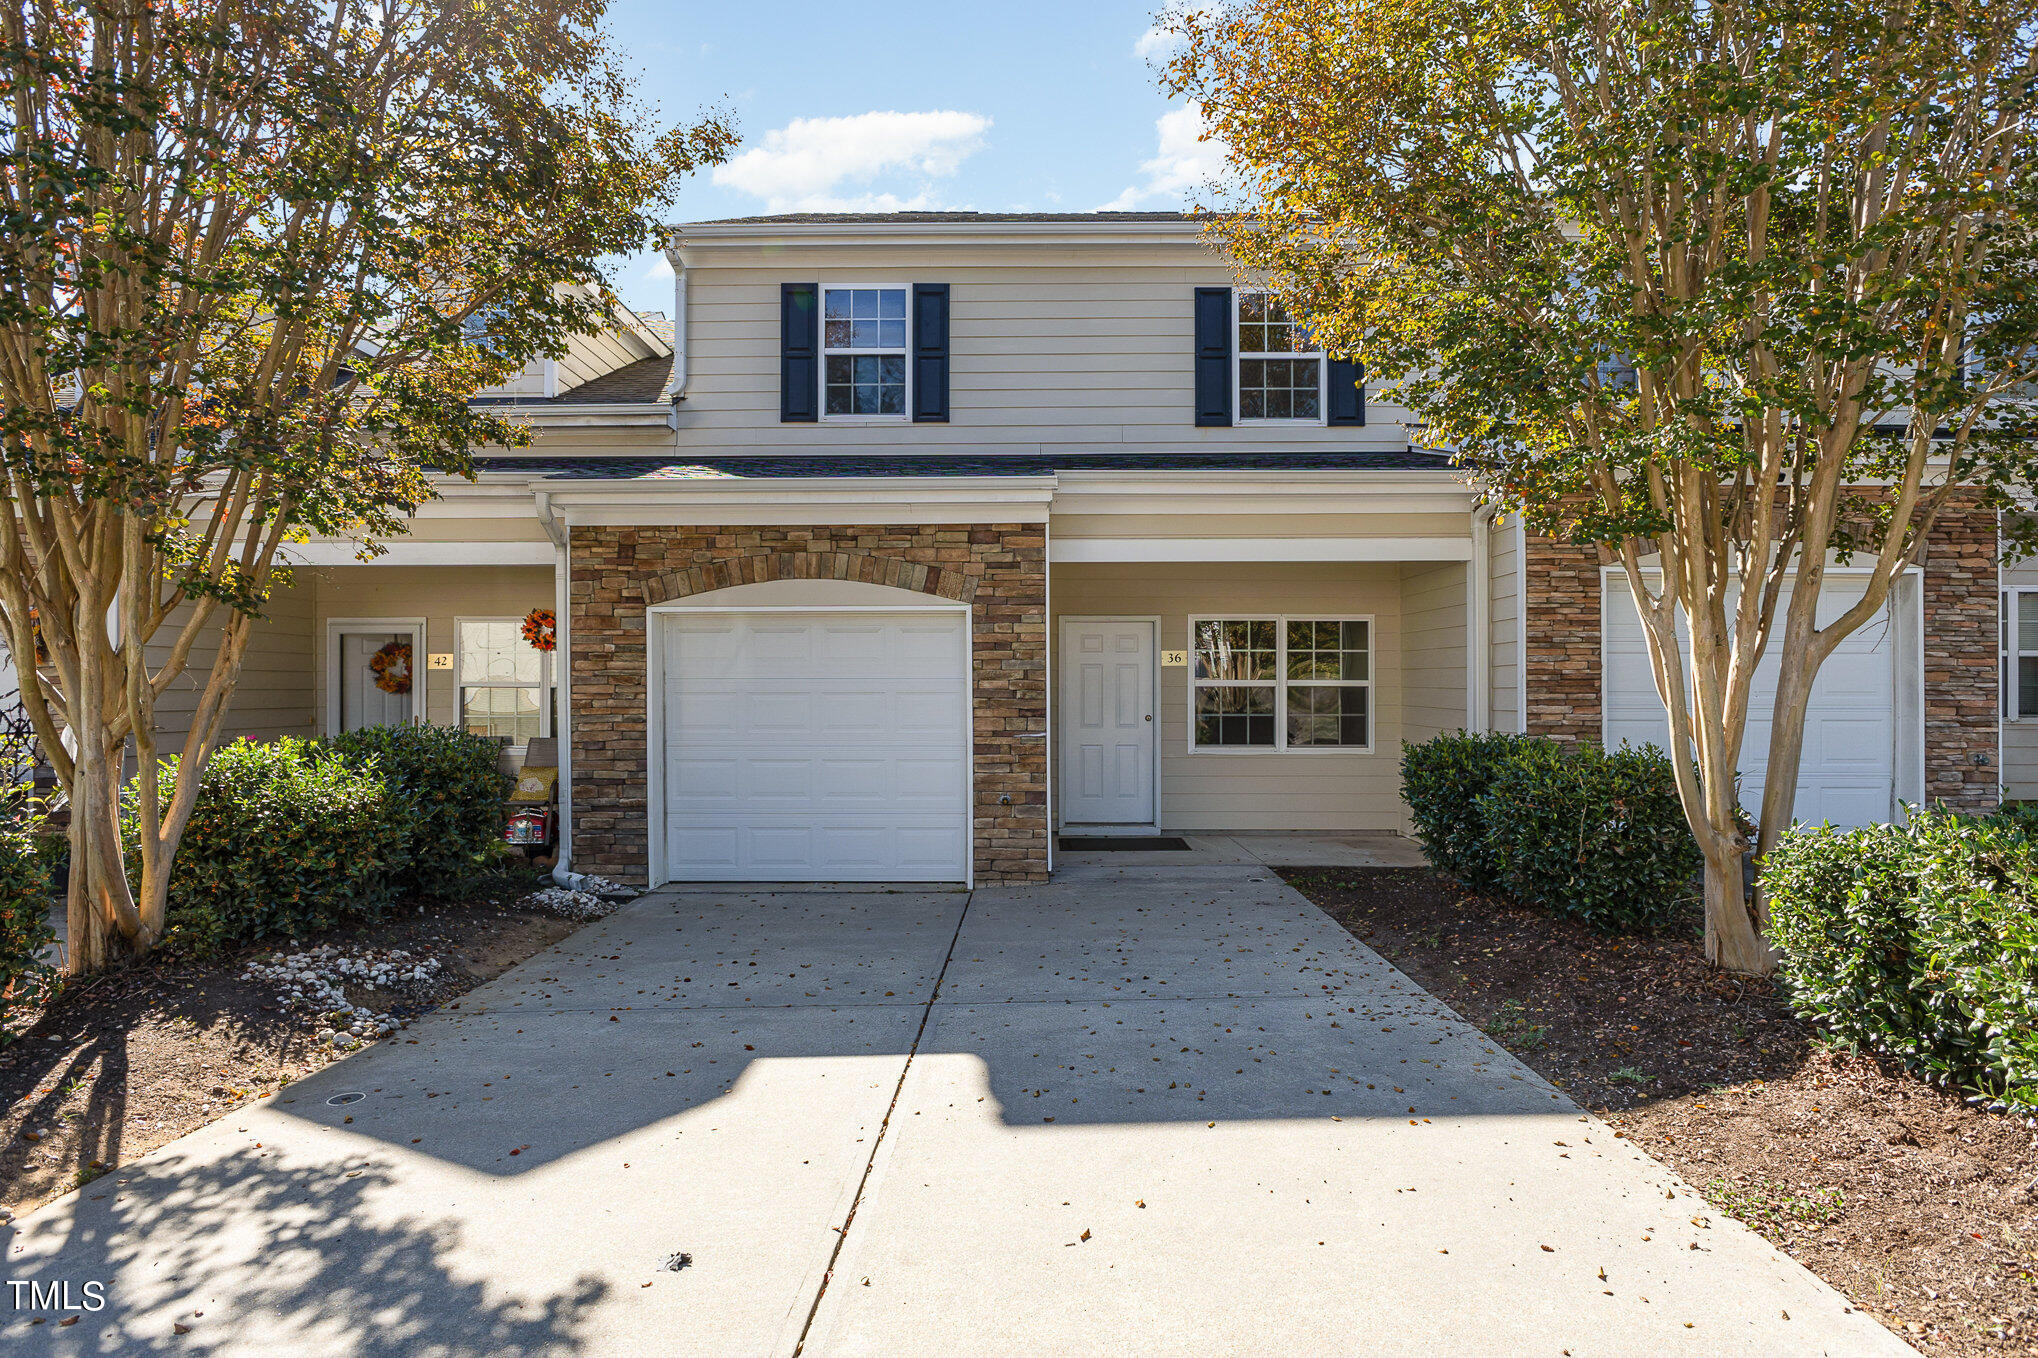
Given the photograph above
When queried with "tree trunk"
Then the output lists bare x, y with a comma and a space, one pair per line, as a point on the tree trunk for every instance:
1732, 940
93, 936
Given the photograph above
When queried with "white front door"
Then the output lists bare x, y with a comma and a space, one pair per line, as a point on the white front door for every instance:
816, 746
1107, 722
1848, 770
370, 694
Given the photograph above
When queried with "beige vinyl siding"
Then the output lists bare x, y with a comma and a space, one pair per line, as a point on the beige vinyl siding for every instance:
439, 595
1091, 352
1259, 790
273, 695
1433, 656
1503, 622
2020, 737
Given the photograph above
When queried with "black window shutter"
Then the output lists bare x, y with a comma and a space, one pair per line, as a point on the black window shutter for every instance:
799, 353
930, 353
1213, 356
1347, 397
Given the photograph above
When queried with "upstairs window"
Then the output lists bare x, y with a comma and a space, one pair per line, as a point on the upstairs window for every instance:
1280, 368
863, 352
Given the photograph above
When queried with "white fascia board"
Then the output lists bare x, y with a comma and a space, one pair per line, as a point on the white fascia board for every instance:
1263, 492
410, 552
1063, 550
591, 414
803, 500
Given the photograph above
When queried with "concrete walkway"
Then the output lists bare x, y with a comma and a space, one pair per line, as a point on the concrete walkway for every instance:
1171, 1111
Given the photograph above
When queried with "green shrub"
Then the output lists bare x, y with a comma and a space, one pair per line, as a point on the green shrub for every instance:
1918, 941
286, 839
1441, 780
26, 978
448, 782
1598, 835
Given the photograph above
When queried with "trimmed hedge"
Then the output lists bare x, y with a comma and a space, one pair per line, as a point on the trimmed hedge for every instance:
286, 839
1598, 835
1919, 941
1442, 780
448, 781
25, 977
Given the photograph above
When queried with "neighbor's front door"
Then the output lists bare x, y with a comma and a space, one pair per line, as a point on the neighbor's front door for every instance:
365, 688
1107, 722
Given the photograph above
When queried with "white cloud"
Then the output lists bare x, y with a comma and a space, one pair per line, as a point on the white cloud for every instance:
1186, 161
807, 165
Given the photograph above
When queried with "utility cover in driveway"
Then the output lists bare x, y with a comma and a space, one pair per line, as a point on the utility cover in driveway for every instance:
816, 746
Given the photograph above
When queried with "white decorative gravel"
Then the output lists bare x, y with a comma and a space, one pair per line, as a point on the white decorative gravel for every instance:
311, 981
557, 900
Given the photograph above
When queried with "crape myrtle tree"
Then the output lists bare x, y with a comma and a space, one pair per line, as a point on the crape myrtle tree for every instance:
1733, 291
255, 255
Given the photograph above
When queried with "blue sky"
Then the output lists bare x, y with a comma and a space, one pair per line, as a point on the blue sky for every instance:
1043, 106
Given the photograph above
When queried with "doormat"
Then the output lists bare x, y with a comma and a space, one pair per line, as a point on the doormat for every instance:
1108, 843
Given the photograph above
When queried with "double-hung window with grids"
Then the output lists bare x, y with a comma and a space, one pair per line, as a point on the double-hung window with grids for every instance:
1280, 367
863, 353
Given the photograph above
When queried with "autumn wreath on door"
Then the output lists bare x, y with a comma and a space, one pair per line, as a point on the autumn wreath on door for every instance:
391, 667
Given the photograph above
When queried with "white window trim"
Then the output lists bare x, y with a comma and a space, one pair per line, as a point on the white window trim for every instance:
546, 696
1280, 683
1238, 356
905, 415
2008, 656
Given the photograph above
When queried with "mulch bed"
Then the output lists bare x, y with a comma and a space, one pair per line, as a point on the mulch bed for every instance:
1921, 1208
124, 1062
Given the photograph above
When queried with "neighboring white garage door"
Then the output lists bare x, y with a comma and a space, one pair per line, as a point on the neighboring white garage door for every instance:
815, 746
1849, 772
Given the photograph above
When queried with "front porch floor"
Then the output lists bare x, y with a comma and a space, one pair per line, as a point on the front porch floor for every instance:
1273, 848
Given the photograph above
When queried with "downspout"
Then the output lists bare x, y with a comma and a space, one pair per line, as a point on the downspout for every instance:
562, 729
1478, 603
678, 322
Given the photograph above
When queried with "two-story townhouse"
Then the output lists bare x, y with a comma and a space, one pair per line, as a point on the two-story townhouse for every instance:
912, 540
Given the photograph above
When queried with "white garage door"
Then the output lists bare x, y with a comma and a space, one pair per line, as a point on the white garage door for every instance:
816, 746
1848, 775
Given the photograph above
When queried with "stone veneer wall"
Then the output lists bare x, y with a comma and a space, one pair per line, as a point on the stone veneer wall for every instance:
1562, 595
1962, 702
999, 569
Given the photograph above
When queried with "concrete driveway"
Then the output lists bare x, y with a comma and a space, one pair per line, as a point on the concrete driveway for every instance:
1155, 1110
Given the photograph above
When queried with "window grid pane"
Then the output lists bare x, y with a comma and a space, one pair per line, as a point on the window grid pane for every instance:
864, 332
498, 712
1235, 714
493, 651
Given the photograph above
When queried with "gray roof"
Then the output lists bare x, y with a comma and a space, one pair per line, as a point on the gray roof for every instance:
850, 218
682, 468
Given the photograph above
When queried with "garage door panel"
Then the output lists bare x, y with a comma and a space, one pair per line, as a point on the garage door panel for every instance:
1847, 774
816, 746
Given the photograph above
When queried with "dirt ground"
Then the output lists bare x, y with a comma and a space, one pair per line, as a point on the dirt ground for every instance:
122, 1063
1921, 1208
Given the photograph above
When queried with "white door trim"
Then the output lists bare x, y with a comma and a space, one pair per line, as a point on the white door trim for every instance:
1154, 696
657, 869
418, 663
